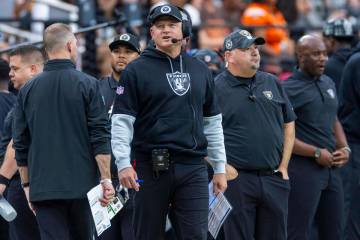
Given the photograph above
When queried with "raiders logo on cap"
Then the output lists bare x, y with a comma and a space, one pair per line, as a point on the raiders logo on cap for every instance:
165, 9
124, 37
245, 34
228, 44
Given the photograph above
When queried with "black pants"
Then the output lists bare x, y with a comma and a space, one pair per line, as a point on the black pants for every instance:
260, 205
350, 175
64, 219
24, 226
316, 199
182, 191
121, 225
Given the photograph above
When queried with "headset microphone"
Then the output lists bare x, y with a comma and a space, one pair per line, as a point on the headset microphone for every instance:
174, 40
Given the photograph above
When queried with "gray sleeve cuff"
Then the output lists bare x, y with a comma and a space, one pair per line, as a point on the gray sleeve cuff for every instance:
215, 137
122, 130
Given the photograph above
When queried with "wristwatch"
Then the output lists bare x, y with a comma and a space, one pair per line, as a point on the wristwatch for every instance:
317, 153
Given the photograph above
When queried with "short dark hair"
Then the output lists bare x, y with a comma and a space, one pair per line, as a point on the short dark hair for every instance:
4, 70
29, 53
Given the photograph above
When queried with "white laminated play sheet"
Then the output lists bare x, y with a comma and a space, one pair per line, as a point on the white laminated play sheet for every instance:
219, 209
102, 215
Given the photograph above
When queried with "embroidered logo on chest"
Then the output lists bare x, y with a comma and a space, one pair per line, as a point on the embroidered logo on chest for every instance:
268, 94
331, 93
179, 82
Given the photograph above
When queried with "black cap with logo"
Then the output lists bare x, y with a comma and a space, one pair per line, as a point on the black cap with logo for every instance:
341, 28
241, 39
127, 39
164, 10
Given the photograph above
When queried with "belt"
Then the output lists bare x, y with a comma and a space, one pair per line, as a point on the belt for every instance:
260, 172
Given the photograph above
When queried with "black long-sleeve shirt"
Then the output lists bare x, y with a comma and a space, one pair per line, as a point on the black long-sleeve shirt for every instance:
60, 124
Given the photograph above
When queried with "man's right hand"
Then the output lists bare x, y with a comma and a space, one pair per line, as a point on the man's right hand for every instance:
27, 195
2, 189
128, 177
325, 159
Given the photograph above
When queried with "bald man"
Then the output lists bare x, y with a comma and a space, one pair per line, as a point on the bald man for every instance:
62, 141
320, 147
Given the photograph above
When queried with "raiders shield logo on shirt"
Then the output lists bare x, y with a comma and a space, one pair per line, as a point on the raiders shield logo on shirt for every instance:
331, 93
179, 82
268, 94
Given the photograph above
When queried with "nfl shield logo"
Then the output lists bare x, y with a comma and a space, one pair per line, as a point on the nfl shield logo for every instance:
179, 82
119, 90
268, 94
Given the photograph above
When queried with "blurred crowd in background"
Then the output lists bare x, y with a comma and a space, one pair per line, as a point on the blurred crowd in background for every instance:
280, 22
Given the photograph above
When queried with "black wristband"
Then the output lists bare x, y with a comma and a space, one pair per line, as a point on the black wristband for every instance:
4, 180
24, 185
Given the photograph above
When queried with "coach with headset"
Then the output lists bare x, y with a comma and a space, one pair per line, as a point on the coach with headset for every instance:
167, 115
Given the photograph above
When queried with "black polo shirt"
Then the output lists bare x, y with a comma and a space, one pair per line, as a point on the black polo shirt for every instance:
254, 112
108, 86
315, 103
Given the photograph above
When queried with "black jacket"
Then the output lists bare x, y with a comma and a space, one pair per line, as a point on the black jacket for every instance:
169, 98
349, 98
60, 124
336, 63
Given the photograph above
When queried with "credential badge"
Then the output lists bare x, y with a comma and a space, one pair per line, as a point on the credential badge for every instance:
179, 82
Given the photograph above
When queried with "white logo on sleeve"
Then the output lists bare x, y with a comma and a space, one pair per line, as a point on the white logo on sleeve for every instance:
331, 93
268, 94
179, 82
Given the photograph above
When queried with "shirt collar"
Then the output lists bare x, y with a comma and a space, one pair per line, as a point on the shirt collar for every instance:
236, 81
112, 82
57, 64
304, 76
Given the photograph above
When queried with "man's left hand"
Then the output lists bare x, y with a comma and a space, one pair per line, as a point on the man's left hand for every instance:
284, 172
341, 157
220, 183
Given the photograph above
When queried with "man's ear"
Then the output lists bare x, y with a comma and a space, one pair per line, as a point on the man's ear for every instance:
228, 56
69, 46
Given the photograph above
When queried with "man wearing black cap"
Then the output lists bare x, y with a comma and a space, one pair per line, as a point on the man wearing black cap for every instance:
349, 112
124, 49
211, 59
258, 124
320, 148
168, 112
338, 35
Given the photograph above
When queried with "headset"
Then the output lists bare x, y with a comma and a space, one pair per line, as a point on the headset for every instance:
186, 26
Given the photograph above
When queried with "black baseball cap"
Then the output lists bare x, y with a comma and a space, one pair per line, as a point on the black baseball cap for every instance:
341, 28
208, 56
164, 10
241, 39
127, 39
